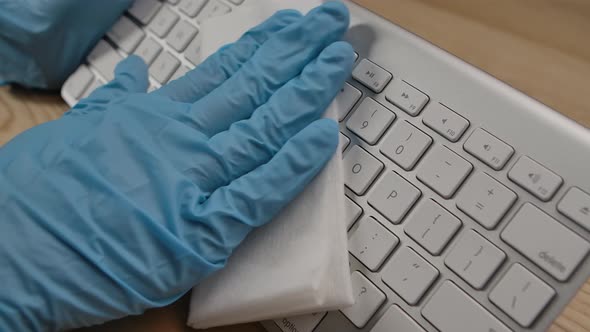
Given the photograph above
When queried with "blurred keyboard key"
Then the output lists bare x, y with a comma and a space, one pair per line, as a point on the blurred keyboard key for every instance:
489, 149
213, 8
405, 145
343, 141
193, 51
576, 206
360, 169
148, 50
302, 323
371, 243
406, 97
445, 122
144, 10
104, 58
125, 34
192, 7
485, 199
535, 178
545, 241
371, 75
353, 211
346, 99
181, 35
370, 120
164, 66
475, 259
396, 320
451, 310
521, 295
368, 300
393, 196
443, 171
163, 22
79, 81
432, 227
409, 275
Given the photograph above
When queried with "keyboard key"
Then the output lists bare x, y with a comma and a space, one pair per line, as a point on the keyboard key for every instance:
475, 259
371, 75
192, 7
445, 122
179, 73
405, 145
236, 2
213, 8
443, 171
535, 178
125, 34
181, 35
432, 227
395, 320
360, 169
343, 142
193, 51
370, 120
302, 323
346, 99
353, 211
451, 310
489, 149
164, 66
576, 206
393, 197
521, 295
409, 275
148, 50
406, 97
144, 10
546, 242
371, 243
173, 2
485, 200
368, 300
78, 81
163, 22
104, 58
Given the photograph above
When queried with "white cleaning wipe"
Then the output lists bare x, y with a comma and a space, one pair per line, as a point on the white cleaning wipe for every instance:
298, 263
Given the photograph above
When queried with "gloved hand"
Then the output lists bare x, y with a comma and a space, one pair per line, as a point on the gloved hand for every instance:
131, 199
42, 42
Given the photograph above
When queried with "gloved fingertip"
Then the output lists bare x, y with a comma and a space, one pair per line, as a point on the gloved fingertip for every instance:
287, 15
131, 64
132, 74
276, 22
339, 52
335, 10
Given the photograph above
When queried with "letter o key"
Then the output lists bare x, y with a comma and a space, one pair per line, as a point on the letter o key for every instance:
357, 168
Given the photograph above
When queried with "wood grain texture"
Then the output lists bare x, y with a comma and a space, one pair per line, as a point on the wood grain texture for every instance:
540, 47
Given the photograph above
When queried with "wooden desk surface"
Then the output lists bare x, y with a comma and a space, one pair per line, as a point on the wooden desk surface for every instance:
540, 47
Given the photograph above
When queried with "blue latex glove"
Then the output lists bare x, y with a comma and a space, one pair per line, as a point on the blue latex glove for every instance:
130, 199
43, 41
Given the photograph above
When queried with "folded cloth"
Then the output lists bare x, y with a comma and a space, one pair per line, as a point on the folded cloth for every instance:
296, 264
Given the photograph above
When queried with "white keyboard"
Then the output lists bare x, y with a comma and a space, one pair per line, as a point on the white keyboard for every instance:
468, 203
